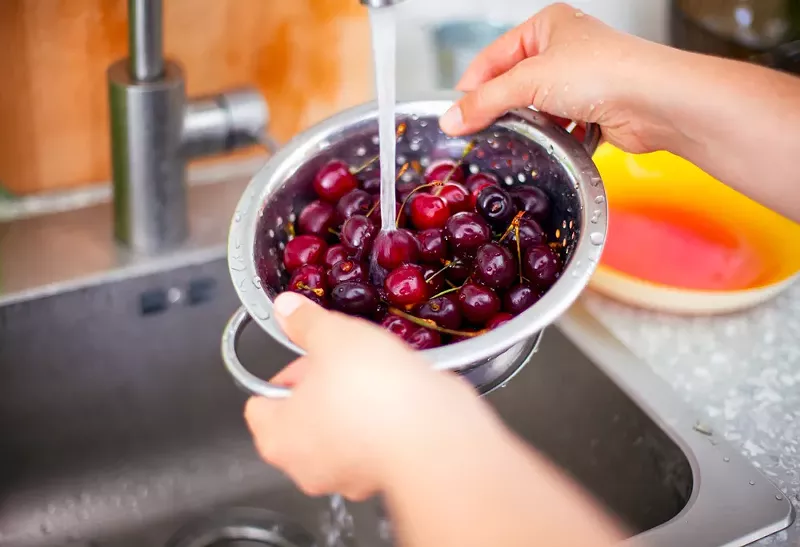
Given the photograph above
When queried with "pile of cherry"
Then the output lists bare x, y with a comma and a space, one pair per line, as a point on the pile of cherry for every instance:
467, 255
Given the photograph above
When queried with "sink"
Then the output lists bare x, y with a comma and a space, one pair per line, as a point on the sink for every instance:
120, 426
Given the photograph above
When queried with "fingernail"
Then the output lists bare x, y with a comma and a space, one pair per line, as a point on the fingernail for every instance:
452, 120
287, 303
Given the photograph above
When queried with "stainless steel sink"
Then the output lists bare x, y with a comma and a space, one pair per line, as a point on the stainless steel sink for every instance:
120, 427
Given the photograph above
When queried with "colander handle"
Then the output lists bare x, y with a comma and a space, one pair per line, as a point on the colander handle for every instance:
243, 378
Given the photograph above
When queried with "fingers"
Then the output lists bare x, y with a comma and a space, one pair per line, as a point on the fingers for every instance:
512, 47
518, 88
260, 415
310, 326
292, 373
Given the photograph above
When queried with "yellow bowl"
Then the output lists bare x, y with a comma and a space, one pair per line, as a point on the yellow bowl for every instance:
667, 181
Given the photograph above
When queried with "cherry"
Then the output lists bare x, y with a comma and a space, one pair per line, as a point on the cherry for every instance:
376, 218
314, 297
372, 185
358, 233
434, 277
478, 303
444, 171
455, 195
302, 250
357, 202
530, 234
396, 247
457, 272
431, 245
405, 286
429, 211
519, 298
399, 326
423, 338
334, 254
355, 298
404, 187
477, 182
465, 232
308, 277
533, 201
316, 218
499, 319
334, 180
542, 265
346, 270
443, 310
496, 206
494, 266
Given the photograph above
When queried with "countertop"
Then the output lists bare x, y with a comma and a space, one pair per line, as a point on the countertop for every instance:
740, 371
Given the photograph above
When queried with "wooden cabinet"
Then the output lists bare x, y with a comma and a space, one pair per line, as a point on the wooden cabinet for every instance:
310, 58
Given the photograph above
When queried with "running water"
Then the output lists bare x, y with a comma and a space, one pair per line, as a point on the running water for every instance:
382, 24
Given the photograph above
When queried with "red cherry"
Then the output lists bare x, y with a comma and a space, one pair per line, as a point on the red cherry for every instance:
499, 319
431, 246
477, 182
358, 233
444, 170
357, 202
394, 248
335, 253
423, 338
478, 303
346, 270
316, 218
302, 250
429, 211
334, 180
434, 277
308, 277
455, 195
542, 265
399, 326
405, 286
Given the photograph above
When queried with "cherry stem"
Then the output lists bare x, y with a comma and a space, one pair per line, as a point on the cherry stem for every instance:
290, 229
401, 129
447, 265
444, 292
430, 324
319, 292
519, 251
514, 222
334, 232
374, 206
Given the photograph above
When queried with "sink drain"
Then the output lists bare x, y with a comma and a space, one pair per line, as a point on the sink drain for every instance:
242, 528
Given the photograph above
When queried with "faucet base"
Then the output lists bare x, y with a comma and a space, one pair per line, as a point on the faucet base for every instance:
148, 168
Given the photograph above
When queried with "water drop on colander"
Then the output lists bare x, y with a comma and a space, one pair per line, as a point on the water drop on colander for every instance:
599, 199
596, 238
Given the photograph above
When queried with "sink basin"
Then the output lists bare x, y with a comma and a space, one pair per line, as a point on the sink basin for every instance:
120, 427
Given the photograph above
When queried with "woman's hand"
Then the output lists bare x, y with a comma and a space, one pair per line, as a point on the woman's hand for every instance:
362, 399
571, 65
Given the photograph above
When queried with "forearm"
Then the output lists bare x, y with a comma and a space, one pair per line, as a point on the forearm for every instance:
478, 485
738, 122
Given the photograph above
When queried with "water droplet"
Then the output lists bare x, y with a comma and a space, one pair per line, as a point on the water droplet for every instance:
494, 144
401, 159
423, 123
596, 238
414, 146
237, 217
292, 217
599, 199
752, 483
778, 497
257, 282
414, 117
425, 161
726, 459
595, 216
550, 148
375, 139
521, 177
361, 151
509, 180
579, 13
474, 169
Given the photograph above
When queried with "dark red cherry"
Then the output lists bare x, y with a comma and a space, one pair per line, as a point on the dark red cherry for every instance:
431, 246
333, 181
465, 232
372, 185
541, 265
376, 218
346, 270
443, 310
355, 298
455, 195
533, 201
316, 218
444, 171
423, 338
358, 233
334, 254
530, 234
494, 266
478, 303
357, 202
434, 277
391, 249
499, 319
496, 206
428, 211
458, 271
320, 300
308, 277
399, 326
519, 298
405, 286
404, 187
302, 250
477, 182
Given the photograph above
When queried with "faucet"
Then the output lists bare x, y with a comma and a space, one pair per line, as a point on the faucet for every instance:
155, 131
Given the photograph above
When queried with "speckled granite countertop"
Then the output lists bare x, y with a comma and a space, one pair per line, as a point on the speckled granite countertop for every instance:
742, 371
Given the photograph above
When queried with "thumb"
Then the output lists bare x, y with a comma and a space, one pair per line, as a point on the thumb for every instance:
520, 87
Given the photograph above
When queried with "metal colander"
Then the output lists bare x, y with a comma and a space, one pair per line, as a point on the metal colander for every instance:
524, 147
